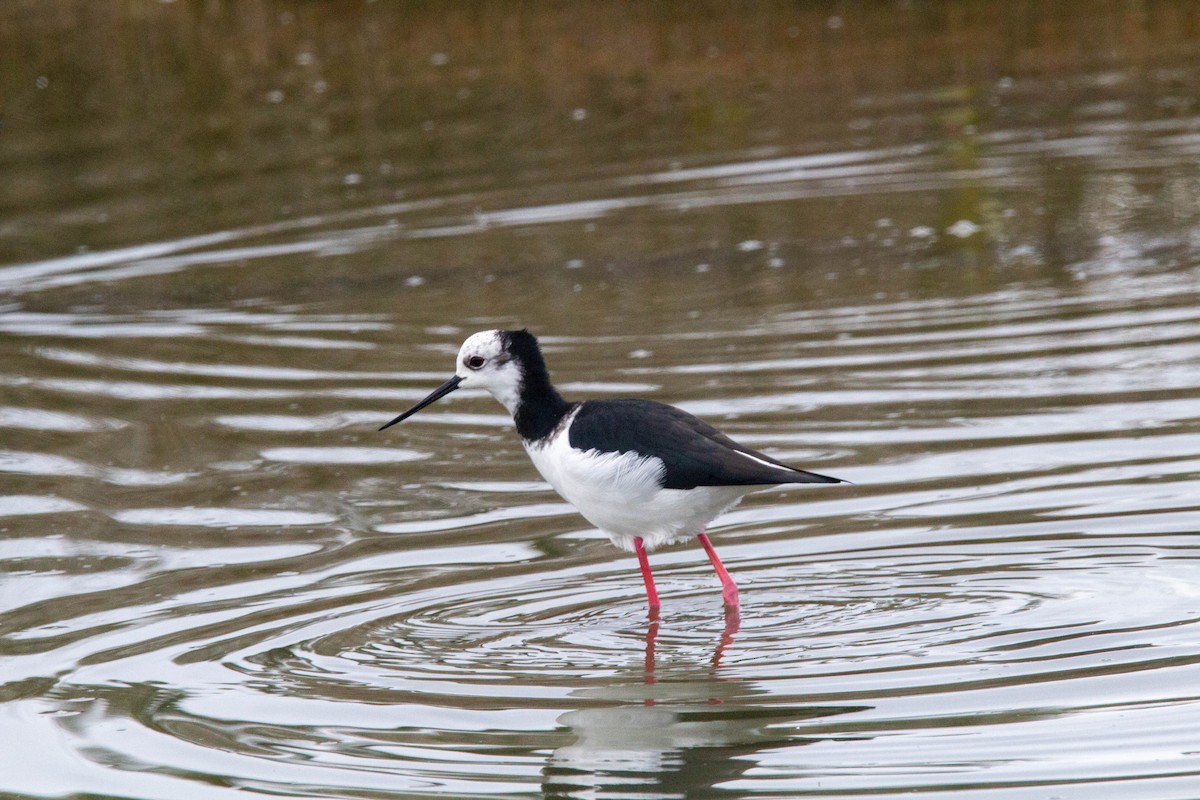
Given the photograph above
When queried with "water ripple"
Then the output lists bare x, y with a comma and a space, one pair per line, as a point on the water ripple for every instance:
221, 517
1013, 566
831, 644
219, 578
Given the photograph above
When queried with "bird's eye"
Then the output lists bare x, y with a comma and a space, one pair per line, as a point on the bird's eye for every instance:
476, 362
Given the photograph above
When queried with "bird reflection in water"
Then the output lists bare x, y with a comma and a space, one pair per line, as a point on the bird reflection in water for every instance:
676, 729
733, 623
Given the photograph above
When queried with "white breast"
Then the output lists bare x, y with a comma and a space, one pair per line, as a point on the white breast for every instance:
622, 494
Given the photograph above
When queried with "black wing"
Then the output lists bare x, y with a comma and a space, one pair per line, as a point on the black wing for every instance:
693, 452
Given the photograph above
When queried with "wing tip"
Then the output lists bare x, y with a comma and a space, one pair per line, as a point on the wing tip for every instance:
816, 477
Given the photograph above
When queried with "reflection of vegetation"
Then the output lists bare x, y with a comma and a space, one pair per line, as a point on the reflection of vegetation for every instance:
142, 121
963, 210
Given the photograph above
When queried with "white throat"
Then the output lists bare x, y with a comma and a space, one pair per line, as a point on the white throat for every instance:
508, 393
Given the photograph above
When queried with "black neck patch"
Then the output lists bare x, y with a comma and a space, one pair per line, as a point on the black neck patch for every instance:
541, 408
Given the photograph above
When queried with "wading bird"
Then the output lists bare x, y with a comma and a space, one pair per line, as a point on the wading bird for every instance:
645, 473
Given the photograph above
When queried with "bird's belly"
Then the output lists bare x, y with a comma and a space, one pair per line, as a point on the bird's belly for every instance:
622, 494
670, 515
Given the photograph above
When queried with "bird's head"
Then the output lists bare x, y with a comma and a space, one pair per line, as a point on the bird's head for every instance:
493, 360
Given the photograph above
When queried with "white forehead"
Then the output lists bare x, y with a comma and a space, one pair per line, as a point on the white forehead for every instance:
485, 343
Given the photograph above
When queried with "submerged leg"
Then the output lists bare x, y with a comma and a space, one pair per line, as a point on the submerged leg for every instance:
729, 592
651, 592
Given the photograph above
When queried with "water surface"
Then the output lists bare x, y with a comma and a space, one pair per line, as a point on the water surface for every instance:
948, 254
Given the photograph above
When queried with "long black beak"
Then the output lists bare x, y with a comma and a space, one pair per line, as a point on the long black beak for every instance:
438, 393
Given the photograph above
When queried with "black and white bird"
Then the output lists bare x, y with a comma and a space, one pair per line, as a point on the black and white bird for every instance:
645, 473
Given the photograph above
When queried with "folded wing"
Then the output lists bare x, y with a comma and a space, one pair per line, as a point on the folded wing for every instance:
693, 452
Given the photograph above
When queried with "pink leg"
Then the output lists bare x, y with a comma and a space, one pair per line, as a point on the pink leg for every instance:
730, 592
651, 592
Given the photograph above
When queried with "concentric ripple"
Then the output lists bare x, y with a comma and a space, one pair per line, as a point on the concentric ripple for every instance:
1002, 601
973, 292
990, 632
